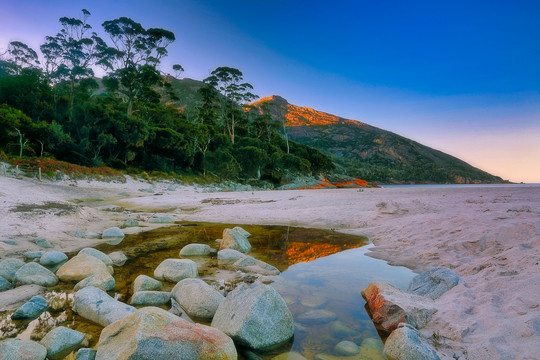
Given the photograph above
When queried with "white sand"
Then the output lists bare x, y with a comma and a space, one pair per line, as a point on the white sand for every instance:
489, 235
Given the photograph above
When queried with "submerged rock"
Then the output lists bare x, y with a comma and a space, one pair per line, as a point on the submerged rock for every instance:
347, 348
52, 258
175, 270
161, 220
9, 267
31, 309
290, 355
391, 306
235, 239
197, 298
146, 283
433, 283
80, 267
118, 258
16, 349
96, 305
340, 330
150, 298
153, 333
61, 341
406, 343
98, 255
317, 317
255, 316
33, 273
196, 250
86, 354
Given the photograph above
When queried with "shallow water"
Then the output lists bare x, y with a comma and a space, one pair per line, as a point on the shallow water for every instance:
321, 270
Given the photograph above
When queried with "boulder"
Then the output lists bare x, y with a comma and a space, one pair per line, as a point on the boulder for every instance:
33, 273
80, 267
174, 270
390, 306
33, 255
196, 250
346, 348
4, 284
11, 300
317, 317
433, 283
78, 233
146, 283
197, 298
98, 255
102, 280
250, 264
86, 354
131, 223
96, 305
16, 349
42, 242
229, 256
52, 258
235, 239
9, 267
405, 343
153, 333
150, 298
255, 316
61, 341
113, 233
118, 258
31, 309
161, 220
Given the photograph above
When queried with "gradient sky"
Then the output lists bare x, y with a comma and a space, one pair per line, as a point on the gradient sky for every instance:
460, 76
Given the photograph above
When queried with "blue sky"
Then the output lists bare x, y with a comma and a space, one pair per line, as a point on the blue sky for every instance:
460, 76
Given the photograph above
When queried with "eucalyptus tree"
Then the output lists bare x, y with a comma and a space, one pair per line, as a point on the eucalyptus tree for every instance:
235, 94
134, 56
20, 56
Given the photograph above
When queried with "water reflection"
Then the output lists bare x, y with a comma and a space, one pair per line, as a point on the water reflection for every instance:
322, 275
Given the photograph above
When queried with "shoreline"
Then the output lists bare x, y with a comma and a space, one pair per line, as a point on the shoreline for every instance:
489, 235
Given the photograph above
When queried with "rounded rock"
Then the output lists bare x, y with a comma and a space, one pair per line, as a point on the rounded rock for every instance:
33, 273
98, 255
16, 349
146, 283
61, 341
347, 348
197, 298
175, 270
52, 258
196, 250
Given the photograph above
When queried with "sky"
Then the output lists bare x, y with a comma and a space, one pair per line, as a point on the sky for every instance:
459, 76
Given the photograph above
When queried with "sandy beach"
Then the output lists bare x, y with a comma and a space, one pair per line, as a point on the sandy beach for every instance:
489, 235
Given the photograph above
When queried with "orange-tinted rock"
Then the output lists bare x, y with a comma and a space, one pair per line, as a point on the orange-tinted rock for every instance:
390, 306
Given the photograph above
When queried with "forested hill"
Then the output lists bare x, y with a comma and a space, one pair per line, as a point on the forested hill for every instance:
368, 152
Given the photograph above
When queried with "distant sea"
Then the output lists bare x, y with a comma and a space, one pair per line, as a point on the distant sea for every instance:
456, 185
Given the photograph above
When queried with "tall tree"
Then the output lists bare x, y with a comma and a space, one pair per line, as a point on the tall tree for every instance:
228, 81
134, 56
20, 56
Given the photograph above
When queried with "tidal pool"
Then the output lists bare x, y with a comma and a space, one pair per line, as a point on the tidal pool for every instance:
320, 270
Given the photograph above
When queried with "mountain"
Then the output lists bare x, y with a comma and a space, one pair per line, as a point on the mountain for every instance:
368, 152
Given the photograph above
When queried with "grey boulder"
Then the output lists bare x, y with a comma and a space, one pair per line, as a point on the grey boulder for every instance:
96, 305
33, 273
52, 258
9, 267
31, 309
197, 298
98, 255
16, 349
154, 333
250, 264
433, 283
235, 239
196, 250
4, 284
161, 220
150, 298
131, 223
255, 316
61, 341
102, 280
405, 343
86, 354
112, 233
42, 242
146, 283
33, 255
118, 258
174, 270
346, 348
229, 256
